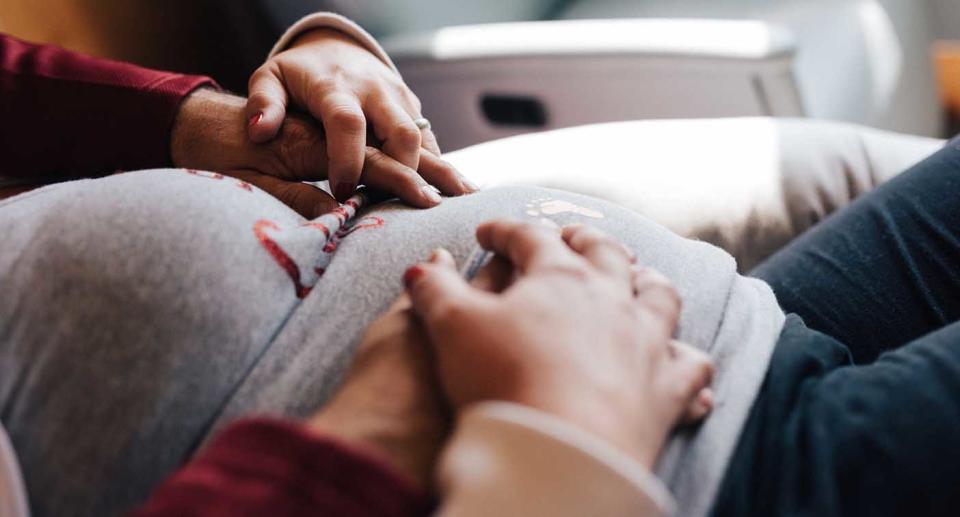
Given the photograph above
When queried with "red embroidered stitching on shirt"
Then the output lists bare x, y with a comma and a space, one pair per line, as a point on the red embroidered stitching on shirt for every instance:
279, 255
334, 227
217, 176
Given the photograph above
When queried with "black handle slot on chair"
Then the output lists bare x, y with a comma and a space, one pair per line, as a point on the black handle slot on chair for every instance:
512, 110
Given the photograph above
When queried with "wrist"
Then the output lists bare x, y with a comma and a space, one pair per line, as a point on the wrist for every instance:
619, 425
335, 23
406, 440
390, 406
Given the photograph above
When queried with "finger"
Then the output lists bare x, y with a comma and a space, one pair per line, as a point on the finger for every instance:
600, 249
495, 277
307, 200
435, 170
346, 132
439, 256
655, 293
527, 245
384, 173
443, 257
429, 141
443, 175
299, 150
266, 104
393, 126
440, 295
692, 372
701, 406
414, 107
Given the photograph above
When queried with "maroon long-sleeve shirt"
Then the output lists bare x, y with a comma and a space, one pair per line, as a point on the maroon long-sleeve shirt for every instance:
269, 467
68, 115
65, 115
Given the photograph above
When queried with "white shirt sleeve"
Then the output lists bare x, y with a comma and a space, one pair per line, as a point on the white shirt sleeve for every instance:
506, 459
13, 495
337, 23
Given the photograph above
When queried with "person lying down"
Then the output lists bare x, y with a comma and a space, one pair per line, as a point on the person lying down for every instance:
174, 318
175, 315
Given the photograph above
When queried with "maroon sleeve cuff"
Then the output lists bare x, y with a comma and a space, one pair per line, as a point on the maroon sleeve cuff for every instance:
271, 467
70, 115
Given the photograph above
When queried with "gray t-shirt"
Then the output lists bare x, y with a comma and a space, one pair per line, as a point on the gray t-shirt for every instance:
143, 311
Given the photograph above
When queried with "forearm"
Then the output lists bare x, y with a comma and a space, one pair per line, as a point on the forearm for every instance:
69, 115
507, 459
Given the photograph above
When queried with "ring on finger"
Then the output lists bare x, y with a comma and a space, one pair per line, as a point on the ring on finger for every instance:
423, 123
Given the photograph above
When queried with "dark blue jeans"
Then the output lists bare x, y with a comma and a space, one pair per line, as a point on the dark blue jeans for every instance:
860, 411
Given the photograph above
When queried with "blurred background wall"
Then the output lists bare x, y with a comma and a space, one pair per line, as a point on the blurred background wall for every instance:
223, 38
885, 47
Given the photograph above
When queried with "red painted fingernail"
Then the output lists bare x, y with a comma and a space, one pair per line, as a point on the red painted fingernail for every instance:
254, 120
344, 191
411, 276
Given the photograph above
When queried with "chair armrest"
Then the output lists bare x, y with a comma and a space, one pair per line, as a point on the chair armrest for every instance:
484, 82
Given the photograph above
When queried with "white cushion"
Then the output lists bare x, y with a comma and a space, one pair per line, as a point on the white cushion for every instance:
749, 185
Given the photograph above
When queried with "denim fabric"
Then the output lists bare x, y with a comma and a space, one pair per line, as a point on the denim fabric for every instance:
860, 410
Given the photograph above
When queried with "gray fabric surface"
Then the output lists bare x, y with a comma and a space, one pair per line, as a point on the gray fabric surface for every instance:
141, 312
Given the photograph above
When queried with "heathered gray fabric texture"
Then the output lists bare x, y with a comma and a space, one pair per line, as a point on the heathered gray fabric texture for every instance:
140, 312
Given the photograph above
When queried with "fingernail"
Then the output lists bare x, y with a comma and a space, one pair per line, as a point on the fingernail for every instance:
411, 276
254, 120
344, 191
431, 193
469, 185
439, 255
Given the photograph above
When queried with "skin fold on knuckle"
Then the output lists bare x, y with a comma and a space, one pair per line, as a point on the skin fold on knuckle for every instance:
346, 119
405, 134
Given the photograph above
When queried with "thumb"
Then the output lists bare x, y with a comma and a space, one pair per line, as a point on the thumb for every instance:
266, 104
437, 289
